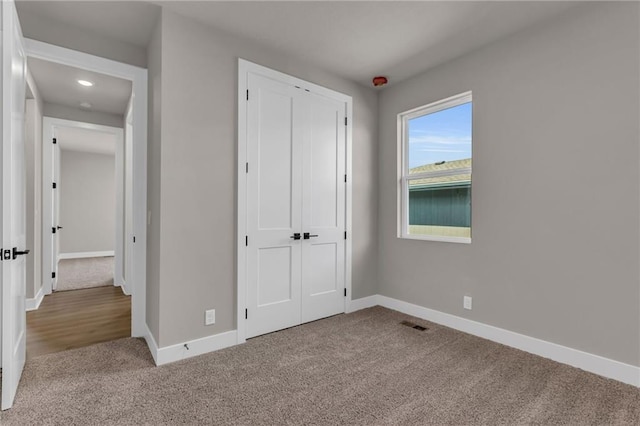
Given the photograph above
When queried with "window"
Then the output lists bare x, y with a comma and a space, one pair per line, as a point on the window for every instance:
435, 174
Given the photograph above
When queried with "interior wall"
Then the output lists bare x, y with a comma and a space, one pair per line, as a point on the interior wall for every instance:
154, 163
555, 232
198, 175
87, 202
74, 114
46, 30
33, 161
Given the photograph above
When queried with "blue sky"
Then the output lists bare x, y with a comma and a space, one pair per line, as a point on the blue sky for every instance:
441, 136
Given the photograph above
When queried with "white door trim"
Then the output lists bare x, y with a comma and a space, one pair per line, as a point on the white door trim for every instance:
138, 78
244, 67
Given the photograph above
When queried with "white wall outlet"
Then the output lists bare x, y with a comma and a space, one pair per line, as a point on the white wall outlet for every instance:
466, 302
210, 317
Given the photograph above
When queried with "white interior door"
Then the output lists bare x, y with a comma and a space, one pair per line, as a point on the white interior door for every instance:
13, 205
296, 205
55, 215
273, 206
323, 211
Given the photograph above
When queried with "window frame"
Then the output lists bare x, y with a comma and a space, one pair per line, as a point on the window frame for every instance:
403, 166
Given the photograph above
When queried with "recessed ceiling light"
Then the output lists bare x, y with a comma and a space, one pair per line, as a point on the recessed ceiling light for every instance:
85, 105
85, 83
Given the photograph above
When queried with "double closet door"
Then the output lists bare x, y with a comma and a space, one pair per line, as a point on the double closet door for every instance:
296, 205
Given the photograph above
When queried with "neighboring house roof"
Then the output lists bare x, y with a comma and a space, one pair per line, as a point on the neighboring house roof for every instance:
451, 180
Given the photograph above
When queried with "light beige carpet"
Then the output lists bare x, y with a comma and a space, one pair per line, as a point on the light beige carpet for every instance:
358, 369
76, 274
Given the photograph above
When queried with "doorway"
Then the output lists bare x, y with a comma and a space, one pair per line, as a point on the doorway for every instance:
294, 196
86, 202
130, 269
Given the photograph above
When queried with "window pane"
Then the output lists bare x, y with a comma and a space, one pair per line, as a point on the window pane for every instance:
441, 136
441, 209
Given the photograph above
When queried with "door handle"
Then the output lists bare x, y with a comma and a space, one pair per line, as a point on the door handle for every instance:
307, 235
17, 253
295, 236
59, 227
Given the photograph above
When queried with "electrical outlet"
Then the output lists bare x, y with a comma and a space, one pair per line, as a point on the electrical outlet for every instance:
210, 317
466, 303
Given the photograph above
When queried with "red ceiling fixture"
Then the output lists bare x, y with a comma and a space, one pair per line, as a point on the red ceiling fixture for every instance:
380, 81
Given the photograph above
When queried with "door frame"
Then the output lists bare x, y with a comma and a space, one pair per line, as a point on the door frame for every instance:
244, 68
138, 78
49, 125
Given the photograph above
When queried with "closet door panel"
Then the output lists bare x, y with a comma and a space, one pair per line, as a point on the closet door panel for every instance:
323, 208
274, 205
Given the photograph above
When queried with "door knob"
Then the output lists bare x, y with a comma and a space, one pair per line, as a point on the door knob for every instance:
17, 253
295, 236
307, 235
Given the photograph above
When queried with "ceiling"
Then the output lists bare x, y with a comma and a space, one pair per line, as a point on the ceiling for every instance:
74, 139
58, 84
354, 39
359, 40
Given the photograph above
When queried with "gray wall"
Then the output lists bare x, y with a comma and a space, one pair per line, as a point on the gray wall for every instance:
555, 186
33, 160
75, 114
46, 30
153, 181
198, 175
87, 202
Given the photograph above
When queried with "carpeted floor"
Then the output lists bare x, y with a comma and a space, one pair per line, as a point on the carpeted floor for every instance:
76, 274
363, 368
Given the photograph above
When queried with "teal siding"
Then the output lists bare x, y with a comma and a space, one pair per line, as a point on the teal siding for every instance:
440, 206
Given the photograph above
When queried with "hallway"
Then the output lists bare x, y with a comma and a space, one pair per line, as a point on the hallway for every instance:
73, 319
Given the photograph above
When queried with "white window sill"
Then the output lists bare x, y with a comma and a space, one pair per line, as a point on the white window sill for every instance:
459, 240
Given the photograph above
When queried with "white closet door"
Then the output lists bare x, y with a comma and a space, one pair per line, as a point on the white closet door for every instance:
274, 205
323, 212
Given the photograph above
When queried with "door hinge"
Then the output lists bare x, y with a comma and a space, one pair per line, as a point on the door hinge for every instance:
345, 178
55, 141
54, 185
134, 239
53, 275
345, 235
246, 314
247, 94
247, 167
53, 230
246, 240
5, 254
345, 121
345, 292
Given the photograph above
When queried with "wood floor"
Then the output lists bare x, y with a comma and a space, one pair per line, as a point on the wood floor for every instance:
77, 318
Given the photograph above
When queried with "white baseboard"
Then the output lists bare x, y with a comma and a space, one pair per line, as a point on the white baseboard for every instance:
125, 289
593, 363
33, 304
362, 303
84, 254
151, 343
197, 347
